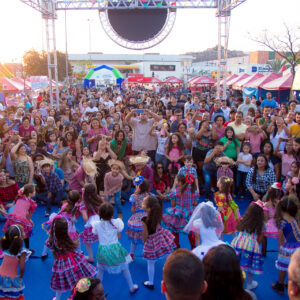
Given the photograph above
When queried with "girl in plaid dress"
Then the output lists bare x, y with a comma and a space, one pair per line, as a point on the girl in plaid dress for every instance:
69, 265
89, 208
247, 242
134, 224
183, 201
158, 242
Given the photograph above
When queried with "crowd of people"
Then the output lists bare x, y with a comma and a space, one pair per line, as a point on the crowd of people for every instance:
182, 162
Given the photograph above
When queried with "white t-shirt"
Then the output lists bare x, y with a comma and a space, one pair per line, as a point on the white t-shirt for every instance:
275, 139
108, 104
161, 144
242, 167
90, 110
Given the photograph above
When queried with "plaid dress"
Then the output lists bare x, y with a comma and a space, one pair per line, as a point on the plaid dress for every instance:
158, 244
87, 236
176, 218
67, 269
290, 244
249, 252
134, 224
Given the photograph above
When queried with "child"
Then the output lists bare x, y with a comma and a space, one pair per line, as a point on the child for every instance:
89, 208
188, 169
22, 212
112, 257
70, 211
224, 163
207, 221
271, 199
244, 164
174, 153
158, 241
288, 238
226, 206
69, 266
183, 201
246, 243
134, 224
113, 183
11, 283
51, 142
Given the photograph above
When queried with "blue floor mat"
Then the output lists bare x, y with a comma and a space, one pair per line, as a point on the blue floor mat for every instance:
38, 273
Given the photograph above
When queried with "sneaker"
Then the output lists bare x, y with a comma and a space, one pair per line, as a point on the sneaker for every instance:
134, 289
253, 285
47, 213
148, 285
278, 287
43, 257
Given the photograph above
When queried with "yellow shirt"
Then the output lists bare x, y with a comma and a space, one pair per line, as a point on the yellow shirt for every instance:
295, 130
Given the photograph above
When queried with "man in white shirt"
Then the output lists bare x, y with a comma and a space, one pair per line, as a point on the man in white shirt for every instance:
90, 109
107, 103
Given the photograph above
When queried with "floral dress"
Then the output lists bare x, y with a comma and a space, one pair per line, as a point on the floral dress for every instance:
229, 212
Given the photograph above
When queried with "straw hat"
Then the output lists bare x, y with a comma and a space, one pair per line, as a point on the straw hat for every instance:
45, 161
224, 160
135, 160
115, 162
89, 167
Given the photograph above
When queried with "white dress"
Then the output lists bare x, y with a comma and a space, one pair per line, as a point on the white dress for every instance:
209, 239
111, 256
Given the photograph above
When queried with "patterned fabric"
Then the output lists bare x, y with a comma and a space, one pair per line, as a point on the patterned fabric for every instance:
177, 217
249, 252
159, 244
184, 170
87, 236
229, 212
13, 219
113, 258
134, 224
53, 182
68, 269
271, 229
262, 182
11, 288
21, 169
8, 193
224, 172
290, 244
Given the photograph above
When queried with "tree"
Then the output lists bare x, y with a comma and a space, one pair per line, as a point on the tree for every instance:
287, 46
35, 64
276, 64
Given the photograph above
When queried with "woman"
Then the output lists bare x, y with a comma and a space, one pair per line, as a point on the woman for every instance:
231, 143
260, 177
95, 134
283, 111
277, 129
120, 146
23, 166
37, 123
25, 129
101, 158
68, 165
182, 130
274, 162
71, 139
161, 181
255, 136
86, 173
218, 129
8, 193
141, 168
223, 274
50, 127
60, 148
204, 142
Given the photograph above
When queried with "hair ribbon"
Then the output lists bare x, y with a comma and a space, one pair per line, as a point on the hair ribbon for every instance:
189, 178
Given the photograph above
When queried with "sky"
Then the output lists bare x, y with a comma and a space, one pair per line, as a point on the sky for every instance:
194, 30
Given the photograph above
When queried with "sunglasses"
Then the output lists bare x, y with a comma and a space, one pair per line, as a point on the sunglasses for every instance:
159, 167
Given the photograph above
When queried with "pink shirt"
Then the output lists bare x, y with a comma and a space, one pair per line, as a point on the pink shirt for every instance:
79, 176
92, 132
112, 184
286, 163
24, 205
9, 266
255, 141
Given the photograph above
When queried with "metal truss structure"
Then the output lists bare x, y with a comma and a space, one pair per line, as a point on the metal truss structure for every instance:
48, 9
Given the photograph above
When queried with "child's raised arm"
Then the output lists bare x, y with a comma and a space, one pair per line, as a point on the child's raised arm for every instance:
22, 264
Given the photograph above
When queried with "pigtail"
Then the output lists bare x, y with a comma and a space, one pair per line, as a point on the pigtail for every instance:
155, 214
12, 240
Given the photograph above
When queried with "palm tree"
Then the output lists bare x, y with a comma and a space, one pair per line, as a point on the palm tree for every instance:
276, 64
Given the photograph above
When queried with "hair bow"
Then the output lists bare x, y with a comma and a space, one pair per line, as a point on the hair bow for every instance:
189, 178
20, 192
259, 203
276, 185
82, 286
295, 180
138, 180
